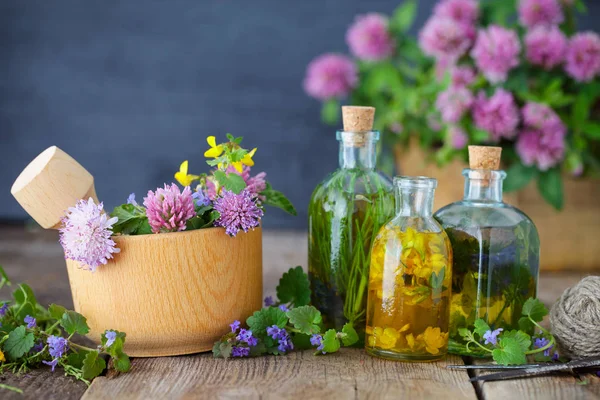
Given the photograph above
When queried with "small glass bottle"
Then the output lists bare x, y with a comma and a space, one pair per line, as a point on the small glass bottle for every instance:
345, 213
409, 285
496, 251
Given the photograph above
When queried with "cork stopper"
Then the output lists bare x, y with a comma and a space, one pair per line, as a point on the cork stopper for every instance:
358, 119
484, 157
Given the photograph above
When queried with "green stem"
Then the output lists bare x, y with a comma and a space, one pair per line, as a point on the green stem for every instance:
541, 349
8, 387
480, 345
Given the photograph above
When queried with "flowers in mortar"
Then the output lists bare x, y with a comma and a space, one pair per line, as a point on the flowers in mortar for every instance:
229, 196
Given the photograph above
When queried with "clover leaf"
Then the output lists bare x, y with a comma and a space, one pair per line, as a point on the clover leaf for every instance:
509, 352
294, 287
262, 319
534, 309
93, 365
481, 327
330, 343
18, 343
73, 322
306, 319
349, 336
521, 337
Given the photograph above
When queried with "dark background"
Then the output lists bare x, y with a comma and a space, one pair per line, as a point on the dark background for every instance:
132, 88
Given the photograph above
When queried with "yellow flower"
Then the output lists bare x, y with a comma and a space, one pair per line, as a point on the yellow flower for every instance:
182, 175
388, 338
214, 151
414, 240
2, 358
434, 339
410, 339
436, 262
247, 160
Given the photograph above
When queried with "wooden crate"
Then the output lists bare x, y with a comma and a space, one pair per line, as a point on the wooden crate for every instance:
569, 238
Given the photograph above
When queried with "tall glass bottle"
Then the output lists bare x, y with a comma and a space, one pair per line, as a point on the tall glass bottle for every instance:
411, 274
345, 213
496, 251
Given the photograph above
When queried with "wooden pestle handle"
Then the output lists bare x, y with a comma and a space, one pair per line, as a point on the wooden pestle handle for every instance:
50, 184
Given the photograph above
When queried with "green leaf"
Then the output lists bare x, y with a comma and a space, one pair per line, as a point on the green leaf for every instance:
73, 322
230, 181
294, 288
534, 309
76, 359
464, 332
262, 319
122, 362
551, 187
509, 353
520, 337
517, 177
93, 365
24, 294
301, 341
591, 130
18, 343
131, 220
404, 16
351, 337
306, 319
436, 280
330, 111
330, 343
526, 325
275, 198
56, 311
4, 280
481, 327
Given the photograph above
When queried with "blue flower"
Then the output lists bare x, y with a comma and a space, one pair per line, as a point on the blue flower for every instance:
538, 343
131, 199
39, 346
491, 337
58, 346
284, 308
317, 340
52, 363
239, 351
201, 198
3, 309
30, 321
269, 301
110, 336
284, 341
245, 335
235, 326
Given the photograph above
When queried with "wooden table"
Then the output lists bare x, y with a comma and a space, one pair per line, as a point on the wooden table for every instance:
36, 258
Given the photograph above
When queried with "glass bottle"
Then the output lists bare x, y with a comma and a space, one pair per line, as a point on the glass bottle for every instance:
345, 213
496, 251
409, 285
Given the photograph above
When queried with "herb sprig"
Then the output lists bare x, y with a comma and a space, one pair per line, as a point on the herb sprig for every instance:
31, 335
284, 325
512, 347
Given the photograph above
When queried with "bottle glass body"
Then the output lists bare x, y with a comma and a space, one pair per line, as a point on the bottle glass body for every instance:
410, 280
496, 257
345, 213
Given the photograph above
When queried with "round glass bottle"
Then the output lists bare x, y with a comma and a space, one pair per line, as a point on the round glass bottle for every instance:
496, 253
409, 285
345, 213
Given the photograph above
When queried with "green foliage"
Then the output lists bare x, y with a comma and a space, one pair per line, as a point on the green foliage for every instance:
18, 343
509, 352
404, 17
132, 220
517, 177
294, 287
262, 319
73, 322
230, 181
306, 319
93, 365
331, 342
275, 198
330, 112
534, 309
551, 187
350, 336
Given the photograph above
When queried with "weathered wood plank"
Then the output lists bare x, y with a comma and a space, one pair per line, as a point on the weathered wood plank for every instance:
348, 374
550, 387
42, 383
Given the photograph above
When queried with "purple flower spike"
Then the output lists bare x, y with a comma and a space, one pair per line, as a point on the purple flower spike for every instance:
52, 363
238, 212
111, 336
316, 339
3, 309
491, 337
30, 321
284, 308
239, 351
269, 301
245, 335
168, 209
201, 198
235, 326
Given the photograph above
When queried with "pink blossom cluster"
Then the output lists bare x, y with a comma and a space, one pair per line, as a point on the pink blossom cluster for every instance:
453, 103
496, 52
546, 46
168, 209
540, 12
369, 39
542, 141
497, 115
583, 56
330, 76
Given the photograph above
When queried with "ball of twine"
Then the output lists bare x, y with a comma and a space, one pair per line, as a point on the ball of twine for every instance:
575, 319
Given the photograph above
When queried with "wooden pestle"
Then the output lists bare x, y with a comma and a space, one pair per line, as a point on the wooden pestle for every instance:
50, 184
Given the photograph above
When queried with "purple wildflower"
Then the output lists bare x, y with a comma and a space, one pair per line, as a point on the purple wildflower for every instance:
282, 336
269, 301
201, 198
583, 56
538, 343
462, 11
239, 351
444, 38
453, 103
245, 336
544, 148
540, 116
168, 209
39, 346
131, 199
458, 137
496, 52
58, 346
491, 337
30, 321
545, 46
540, 12
85, 235
274, 331
110, 336
330, 76
369, 38
237, 212
284, 308
497, 115
317, 340
3, 309
235, 325
462, 76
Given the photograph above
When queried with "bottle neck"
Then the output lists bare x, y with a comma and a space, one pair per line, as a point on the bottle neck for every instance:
483, 185
416, 203
358, 150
